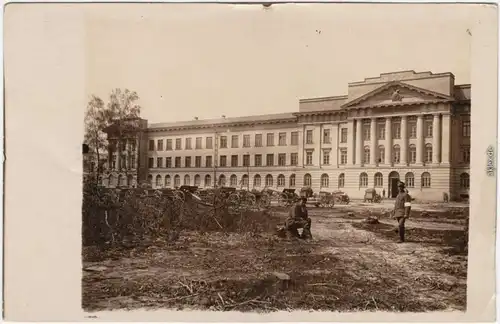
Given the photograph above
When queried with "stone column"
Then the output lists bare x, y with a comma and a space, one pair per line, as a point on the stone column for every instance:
300, 147
373, 141
334, 133
420, 140
388, 141
350, 142
404, 140
359, 142
445, 140
436, 139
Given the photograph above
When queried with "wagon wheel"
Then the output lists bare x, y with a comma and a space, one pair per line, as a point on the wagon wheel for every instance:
264, 201
178, 194
248, 200
233, 202
282, 200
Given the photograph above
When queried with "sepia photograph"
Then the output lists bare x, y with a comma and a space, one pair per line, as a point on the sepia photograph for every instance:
354, 197
266, 158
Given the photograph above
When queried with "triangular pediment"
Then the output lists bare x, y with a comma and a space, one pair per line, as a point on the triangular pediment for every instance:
396, 93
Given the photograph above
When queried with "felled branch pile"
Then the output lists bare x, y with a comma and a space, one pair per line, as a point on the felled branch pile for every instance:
134, 215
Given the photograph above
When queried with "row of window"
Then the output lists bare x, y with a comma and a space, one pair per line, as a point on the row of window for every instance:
168, 145
223, 161
281, 180
378, 181
223, 142
293, 160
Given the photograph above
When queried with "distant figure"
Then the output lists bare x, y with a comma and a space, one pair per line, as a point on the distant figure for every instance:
445, 197
402, 208
383, 193
298, 218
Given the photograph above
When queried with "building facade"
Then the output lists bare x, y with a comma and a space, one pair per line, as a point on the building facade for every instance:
402, 126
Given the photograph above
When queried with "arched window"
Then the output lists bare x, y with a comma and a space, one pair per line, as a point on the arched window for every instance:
150, 180
341, 180
177, 180
130, 178
120, 179
426, 180
197, 180
168, 181
410, 180
158, 181
256, 181
233, 181
396, 154
428, 153
269, 180
244, 180
464, 181
363, 180
325, 180
367, 155
187, 180
222, 180
281, 180
412, 154
307, 180
379, 180
381, 154
208, 180
292, 181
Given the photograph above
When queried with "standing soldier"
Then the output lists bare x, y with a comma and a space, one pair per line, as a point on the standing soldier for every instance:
402, 208
383, 193
298, 218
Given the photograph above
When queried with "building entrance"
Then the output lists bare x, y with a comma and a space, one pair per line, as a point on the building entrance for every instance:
393, 184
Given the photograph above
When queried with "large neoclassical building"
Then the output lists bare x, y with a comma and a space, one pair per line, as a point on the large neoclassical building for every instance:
408, 126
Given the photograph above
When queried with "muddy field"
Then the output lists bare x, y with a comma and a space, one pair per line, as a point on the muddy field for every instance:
348, 266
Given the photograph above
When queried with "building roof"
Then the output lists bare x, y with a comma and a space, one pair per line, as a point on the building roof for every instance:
205, 123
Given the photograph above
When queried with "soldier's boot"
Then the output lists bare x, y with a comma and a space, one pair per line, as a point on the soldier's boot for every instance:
306, 235
401, 234
292, 234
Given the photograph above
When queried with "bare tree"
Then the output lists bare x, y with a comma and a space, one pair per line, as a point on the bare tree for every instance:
121, 113
94, 136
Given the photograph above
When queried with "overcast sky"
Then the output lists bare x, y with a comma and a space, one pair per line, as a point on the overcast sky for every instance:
213, 60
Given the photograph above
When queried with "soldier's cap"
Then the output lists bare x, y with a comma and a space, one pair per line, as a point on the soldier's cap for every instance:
401, 184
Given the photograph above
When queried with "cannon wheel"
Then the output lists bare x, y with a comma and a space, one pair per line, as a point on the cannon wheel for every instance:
283, 200
264, 201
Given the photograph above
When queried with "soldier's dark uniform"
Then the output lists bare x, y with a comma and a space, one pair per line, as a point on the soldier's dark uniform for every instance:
298, 218
402, 208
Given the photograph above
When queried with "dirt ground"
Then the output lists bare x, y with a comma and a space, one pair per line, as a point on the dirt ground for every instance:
348, 266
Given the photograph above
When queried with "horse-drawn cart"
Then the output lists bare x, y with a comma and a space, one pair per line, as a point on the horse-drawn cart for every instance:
341, 198
287, 198
372, 196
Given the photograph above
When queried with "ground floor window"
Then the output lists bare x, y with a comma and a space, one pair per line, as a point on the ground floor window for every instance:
341, 180
464, 181
426, 180
307, 180
256, 180
269, 180
324, 180
410, 180
363, 180
281, 180
379, 180
292, 180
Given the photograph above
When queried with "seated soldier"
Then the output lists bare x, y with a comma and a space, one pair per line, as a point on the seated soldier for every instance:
298, 218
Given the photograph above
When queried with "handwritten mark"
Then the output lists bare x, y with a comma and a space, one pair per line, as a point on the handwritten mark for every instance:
490, 161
